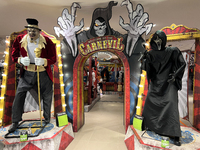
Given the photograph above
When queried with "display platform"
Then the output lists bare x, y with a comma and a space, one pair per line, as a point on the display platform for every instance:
111, 93
150, 141
51, 137
87, 108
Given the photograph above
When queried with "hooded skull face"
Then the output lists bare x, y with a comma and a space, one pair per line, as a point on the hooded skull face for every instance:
158, 40
100, 27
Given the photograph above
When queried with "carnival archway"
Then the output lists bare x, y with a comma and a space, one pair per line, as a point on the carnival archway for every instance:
78, 98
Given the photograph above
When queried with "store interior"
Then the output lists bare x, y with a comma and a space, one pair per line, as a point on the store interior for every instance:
102, 77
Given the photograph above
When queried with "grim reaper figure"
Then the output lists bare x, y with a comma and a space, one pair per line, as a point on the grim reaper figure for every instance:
165, 67
100, 26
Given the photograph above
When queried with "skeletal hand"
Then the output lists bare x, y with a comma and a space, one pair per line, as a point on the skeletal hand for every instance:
67, 28
137, 27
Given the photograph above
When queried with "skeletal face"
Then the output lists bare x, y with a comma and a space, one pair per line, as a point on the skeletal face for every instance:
100, 28
158, 42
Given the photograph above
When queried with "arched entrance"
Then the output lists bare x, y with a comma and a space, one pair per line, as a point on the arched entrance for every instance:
78, 100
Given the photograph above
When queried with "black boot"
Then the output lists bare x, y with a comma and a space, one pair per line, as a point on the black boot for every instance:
47, 121
13, 127
177, 141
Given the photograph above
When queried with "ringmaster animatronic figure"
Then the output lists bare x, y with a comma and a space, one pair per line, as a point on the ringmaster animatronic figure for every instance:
165, 67
24, 53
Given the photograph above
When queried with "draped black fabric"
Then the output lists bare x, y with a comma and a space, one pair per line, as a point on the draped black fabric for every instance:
161, 107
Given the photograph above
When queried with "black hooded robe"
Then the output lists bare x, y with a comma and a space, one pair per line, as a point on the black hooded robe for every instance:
161, 107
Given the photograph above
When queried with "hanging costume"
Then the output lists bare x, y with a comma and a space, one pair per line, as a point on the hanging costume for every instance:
165, 68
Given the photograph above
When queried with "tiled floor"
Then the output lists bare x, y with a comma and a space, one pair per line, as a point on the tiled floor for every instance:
103, 129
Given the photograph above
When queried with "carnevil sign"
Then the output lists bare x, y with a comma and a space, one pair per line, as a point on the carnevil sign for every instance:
80, 44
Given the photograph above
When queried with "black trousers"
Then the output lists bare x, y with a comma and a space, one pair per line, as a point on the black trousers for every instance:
27, 82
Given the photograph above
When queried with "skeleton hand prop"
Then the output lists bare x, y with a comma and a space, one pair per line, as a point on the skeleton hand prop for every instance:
39, 61
137, 27
25, 61
68, 30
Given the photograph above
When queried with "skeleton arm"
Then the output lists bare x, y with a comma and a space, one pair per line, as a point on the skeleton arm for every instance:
67, 28
136, 27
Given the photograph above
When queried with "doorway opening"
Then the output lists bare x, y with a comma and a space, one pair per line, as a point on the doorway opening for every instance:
105, 88
78, 84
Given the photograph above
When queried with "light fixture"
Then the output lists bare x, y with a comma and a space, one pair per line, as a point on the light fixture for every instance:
105, 53
6, 41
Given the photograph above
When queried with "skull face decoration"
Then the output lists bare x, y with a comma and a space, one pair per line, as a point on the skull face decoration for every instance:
100, 27
158, 42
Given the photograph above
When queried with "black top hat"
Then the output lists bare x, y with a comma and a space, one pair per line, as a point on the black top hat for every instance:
32, 23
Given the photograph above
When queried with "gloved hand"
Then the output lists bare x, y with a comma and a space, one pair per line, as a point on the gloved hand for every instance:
39, 61
25, 61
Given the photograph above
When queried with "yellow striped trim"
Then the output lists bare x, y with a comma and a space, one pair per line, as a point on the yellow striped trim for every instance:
32, 26
140, 94
33, 68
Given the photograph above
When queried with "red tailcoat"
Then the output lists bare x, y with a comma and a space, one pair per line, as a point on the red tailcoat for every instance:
48, 52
